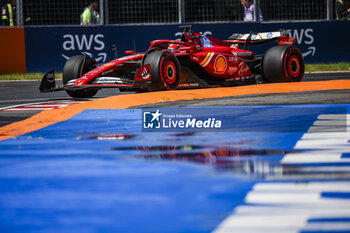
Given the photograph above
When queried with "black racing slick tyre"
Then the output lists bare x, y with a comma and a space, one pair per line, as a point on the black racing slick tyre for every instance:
76, 67
283, 64
165, 70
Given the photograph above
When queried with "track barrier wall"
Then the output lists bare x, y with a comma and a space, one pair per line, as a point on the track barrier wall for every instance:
12, 50
48, 48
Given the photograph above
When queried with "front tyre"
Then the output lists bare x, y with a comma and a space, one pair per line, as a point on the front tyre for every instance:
283, 64
165, 70
76, 67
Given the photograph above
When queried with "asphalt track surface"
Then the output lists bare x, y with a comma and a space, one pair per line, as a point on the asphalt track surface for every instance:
280, 166
18, 93
22, 93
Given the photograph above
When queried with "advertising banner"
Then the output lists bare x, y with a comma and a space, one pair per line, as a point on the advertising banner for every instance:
48, 48
12, 51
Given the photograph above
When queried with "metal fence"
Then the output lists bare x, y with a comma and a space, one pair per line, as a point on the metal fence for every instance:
140, 11
279, 10
52, 12
67, 12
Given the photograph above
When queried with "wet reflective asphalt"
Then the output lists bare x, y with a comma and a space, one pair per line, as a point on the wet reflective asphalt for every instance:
273, 169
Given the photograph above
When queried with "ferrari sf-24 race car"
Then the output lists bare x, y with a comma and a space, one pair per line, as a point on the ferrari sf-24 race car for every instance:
195, 61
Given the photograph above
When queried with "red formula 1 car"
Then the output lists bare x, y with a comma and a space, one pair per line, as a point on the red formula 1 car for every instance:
195, 61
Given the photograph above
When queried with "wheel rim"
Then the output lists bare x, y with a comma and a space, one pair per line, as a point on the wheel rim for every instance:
294, 67
170, 72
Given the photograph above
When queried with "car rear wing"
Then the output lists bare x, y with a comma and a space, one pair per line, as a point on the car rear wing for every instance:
256, 38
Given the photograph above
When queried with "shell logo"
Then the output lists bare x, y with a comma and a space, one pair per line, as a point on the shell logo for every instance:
220, 64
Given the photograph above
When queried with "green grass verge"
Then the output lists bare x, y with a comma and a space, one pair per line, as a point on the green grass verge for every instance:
343, 66
29, 76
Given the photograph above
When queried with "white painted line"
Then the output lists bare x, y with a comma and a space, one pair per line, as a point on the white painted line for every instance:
283, 198
331, 129
27, 109
332, 117
314, 157
287, 207
314, 211
321, 135
327, 226
20, 105
49, 105
41, 104
342, 122
324, 169
270, 221
313, 186
301, 144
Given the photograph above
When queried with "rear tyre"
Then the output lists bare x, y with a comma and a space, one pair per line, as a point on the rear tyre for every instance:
165, 70
283, 64
76, 67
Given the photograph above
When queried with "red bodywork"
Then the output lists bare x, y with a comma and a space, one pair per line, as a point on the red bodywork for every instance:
222, 60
